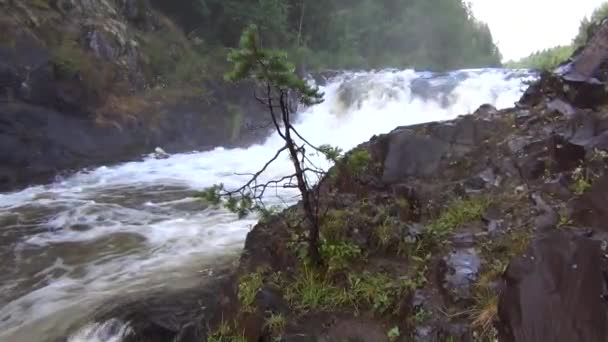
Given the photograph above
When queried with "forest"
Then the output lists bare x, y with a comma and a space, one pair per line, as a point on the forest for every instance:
336, 34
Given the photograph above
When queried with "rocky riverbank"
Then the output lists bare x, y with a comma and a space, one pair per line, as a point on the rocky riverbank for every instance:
489, 226
84, 83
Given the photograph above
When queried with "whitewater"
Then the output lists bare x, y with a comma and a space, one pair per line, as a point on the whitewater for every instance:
82, 241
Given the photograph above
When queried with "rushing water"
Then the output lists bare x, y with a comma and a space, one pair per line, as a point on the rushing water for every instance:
70, 246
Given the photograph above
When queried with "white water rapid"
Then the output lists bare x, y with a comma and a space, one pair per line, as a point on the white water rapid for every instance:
70, 246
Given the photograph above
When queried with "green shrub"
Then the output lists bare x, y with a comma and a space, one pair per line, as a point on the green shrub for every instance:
378, 291
333, 226
338, 256
358, 162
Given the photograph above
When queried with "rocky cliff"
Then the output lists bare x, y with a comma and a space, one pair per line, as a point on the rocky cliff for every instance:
489, 226
85, 82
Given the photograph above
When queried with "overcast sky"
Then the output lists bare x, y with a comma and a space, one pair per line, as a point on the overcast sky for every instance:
523, 26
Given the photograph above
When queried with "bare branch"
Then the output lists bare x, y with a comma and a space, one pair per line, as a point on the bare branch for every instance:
255, 176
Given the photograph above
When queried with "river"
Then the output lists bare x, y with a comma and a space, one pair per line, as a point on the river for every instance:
73, 245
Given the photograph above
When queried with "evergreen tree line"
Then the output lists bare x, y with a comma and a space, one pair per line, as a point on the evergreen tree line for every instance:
550, 58
336, 34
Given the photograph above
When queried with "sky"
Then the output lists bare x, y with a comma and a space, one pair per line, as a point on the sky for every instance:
521, 27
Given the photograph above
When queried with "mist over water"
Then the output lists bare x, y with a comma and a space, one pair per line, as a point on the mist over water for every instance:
70, 246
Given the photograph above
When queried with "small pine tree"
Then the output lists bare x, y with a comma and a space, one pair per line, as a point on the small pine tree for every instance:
282, 87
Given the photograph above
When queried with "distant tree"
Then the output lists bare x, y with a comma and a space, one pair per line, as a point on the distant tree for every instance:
588, 25
545, 59
281, 86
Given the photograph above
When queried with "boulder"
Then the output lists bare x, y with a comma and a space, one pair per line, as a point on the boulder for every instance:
555, 291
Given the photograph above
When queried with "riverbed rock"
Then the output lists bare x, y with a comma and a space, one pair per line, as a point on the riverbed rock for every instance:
462, 272
79, 88
555, 291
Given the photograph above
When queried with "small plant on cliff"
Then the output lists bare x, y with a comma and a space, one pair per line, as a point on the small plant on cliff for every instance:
358, 162
249, 286
309, 290
223, 333
282, 88
393, 334
276, 323
582, 183
485, 312
458, 213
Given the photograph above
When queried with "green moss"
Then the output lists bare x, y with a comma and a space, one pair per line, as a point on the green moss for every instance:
69, 59
249, 286
71, 62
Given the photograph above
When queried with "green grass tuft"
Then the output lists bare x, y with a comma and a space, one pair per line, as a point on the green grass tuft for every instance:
310, 291
458, 213
224, 333
276, 323
249, 286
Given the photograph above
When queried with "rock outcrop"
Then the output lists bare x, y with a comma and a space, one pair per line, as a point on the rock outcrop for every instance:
89, 82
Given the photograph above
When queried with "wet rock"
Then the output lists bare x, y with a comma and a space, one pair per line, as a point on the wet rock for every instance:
486, 111
561, 107
590, 209
489, 176
424, 333
518, 144
557, 186
269, 300
414, 230
532, 168
521, 116
464, 239
406, 158
159, 153
462, 270
356, 330
496, 227
474, 184
548, 217
554, 292
102, 45
300, 338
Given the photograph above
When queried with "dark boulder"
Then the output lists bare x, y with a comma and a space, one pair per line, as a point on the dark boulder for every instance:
555, 292
405, 158
419, 153
590, 209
